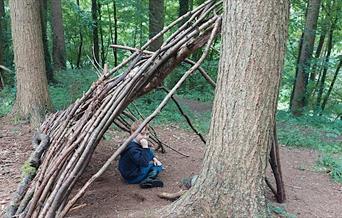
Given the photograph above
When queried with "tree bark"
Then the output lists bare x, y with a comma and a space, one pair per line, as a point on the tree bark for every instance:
58, 44
96, 48
103, 50
297, 64
276, 166
299, 90
156, 22
32, 98
79, 54
332, 84
317, 55
183, 9
231, 182
2, 41
325, 70
47, 56
115, 33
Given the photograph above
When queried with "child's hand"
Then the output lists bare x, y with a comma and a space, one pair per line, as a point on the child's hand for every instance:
156, 162
144, 143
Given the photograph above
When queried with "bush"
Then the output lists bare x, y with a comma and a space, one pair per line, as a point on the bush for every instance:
333, 166
7, 97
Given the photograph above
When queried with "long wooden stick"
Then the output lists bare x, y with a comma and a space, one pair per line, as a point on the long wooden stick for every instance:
144, 123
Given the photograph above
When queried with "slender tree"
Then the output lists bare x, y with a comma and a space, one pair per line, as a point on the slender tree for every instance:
2, 41
299, 89
94, 15
32, 98
231, 182
100, 26
156, 22
47, 56
325, 70
325, 100
79, 53
317, 56
113, 35
183, 8
58, 47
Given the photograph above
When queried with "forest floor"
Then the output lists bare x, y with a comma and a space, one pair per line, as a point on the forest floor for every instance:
310, 193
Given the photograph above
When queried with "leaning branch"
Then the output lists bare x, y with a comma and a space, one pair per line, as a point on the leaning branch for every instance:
144, 123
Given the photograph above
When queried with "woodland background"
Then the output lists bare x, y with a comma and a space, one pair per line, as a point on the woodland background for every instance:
77, 36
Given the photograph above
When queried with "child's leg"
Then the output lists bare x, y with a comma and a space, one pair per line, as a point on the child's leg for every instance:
142, 176
151, 179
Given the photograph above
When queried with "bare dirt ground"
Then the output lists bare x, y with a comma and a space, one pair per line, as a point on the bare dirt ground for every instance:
309, 193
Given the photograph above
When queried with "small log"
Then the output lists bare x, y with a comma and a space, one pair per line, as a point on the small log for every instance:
171, 196
40, 143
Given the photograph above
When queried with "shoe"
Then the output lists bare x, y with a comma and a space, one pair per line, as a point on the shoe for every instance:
151, 183
146, 184
157, 183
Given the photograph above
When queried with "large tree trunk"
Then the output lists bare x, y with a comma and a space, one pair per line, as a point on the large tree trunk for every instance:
231, 183
156, 22
2, 40
58, 48
96, 48
299, 93
32, 99
47, 56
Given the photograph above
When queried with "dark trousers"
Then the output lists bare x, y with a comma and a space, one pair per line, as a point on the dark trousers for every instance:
144, 173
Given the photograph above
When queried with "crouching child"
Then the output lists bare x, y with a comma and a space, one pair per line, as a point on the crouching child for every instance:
137, 163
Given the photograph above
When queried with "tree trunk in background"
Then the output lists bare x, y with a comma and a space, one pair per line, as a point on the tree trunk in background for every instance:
317, 56
183, 9
32, 98
96, 49
115, 34
2, 41
299, 93
191, 5
332, 84
231, 182
79, 54
325, 69
297, 64
47, 56
103, 50
156, 22
114, 39
58, 42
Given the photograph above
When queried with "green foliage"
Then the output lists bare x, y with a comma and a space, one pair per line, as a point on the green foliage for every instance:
273, 209
316, 132
7, 97
27, 169
332, 165
170, 113
71, 84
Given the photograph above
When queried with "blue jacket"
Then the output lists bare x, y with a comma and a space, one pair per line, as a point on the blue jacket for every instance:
133, 159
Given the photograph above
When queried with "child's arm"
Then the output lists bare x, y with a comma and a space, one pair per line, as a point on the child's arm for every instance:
141, 156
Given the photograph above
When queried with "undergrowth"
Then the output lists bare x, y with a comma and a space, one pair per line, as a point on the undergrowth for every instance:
316, 132
279, 211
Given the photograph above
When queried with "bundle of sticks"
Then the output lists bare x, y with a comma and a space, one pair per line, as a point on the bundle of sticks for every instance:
75, 132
